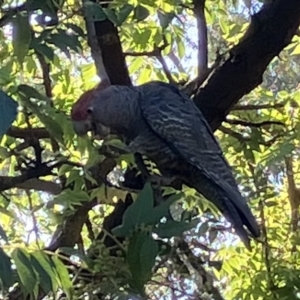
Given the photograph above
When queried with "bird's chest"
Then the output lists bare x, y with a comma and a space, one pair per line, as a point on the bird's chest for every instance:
158, 151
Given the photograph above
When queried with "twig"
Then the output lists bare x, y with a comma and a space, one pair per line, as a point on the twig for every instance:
89, 227
176, 61
252, 124
265, 245
234, 134
191, 87
156, 52
48, 89
46, 74
34, 220
244, 139
165, 68
207, 278
257, 107
294, 194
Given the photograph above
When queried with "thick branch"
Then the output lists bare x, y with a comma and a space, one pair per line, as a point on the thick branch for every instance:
112, 53
199, 6
40, 185
269, 32
25, 133
8, 182
94, 45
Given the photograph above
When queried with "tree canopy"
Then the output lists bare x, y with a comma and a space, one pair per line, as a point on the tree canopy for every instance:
77, 221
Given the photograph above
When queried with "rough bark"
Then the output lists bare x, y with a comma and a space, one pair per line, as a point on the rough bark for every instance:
269, 32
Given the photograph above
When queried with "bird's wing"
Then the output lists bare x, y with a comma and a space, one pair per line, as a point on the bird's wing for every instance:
176, 119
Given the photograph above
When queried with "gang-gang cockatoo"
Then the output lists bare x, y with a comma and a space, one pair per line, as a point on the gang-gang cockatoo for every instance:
160, 122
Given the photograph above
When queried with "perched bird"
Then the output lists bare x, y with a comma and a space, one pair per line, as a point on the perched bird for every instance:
160, 122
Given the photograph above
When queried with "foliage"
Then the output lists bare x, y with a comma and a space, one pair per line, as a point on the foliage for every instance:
57, 234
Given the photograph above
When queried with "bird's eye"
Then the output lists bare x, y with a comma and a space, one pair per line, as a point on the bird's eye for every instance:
89, 110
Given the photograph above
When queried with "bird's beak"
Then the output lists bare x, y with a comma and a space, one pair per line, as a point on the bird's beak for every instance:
82, 127
100, 132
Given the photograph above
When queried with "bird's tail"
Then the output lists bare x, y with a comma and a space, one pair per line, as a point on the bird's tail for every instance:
231, 203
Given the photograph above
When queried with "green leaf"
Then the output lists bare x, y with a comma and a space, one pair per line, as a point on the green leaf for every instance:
158, 212
212, 234
224, 26
42, 265
136, 64
45, 51
124, 12
137, 212
203, 229
63, 276
145, 75
165, 18
180, 49
142, 39
72, 196
30, 92
65, 41
76, 29
87, 72
141, 254
21, 36
140, 13
85, 261
5, 76
94, 11
64, 169
8, 112
25, 271
111, 15
173, 228
6, 273
3, 234
249, 155
51, 125
296, 50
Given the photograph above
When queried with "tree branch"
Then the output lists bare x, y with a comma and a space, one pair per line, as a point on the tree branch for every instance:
8, 182
112, 53
257, 107
269, 32
26, 133
40, 185
156, 52
253, 124
294, 194
94, 45
199, 6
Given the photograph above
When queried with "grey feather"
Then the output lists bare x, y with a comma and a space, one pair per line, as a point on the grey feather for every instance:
164, 124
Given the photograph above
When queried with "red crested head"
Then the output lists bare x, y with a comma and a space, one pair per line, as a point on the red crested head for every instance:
79, 113
79, 109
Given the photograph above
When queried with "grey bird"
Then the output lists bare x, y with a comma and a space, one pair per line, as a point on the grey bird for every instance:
163, 124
